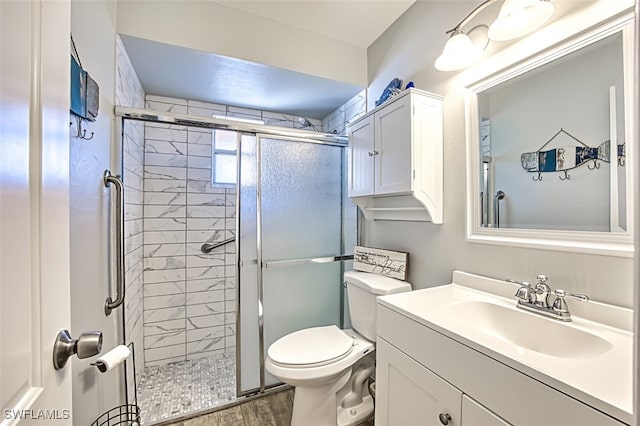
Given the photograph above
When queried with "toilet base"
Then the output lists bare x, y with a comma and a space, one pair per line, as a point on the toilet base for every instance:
356, 415
345, 402
317, 405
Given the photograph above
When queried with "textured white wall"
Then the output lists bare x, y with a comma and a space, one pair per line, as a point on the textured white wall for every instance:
93, 29
210, 27
408, 50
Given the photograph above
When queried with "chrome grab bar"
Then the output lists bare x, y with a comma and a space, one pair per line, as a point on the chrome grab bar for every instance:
207, 247
111, 304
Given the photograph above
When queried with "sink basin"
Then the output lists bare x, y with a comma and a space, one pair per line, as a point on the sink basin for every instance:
589, 359
527, 330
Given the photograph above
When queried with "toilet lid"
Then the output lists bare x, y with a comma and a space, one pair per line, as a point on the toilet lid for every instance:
318, 345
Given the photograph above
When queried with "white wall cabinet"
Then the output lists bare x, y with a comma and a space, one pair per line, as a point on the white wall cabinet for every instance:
395, 159
421, 373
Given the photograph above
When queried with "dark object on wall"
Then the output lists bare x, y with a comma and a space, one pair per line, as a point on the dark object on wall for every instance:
93, 98
84, 93
78, 89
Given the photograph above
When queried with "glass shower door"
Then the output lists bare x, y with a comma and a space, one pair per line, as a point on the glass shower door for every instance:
299, 230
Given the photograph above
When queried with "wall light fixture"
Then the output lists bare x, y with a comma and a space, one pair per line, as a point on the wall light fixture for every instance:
516, 19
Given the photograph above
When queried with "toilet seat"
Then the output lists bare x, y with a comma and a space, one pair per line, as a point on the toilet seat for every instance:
311, 347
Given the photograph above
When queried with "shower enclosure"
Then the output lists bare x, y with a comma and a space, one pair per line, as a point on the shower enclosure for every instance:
292, 225
294, 230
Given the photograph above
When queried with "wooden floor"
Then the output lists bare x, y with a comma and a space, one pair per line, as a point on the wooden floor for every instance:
270, 410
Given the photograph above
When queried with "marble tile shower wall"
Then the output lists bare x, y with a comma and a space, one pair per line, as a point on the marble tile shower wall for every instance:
190, 297
205, 109
337, 121
129, 92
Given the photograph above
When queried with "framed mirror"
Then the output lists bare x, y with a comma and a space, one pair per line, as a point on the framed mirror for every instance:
547, 147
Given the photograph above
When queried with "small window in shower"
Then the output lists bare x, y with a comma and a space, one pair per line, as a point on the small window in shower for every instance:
224, 157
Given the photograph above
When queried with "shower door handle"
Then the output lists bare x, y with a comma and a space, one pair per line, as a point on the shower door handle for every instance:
111, 304
295, 262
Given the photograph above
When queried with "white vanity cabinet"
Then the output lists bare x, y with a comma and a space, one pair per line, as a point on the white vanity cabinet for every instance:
407, 393
410, 394
421, 373
395, 159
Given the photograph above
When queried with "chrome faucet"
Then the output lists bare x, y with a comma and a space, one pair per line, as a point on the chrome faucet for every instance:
536, 299
541, 292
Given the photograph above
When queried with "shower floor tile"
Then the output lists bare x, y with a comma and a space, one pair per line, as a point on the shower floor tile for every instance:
178, 388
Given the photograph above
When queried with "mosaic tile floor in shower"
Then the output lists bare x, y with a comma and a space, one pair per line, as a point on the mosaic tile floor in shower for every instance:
182, 387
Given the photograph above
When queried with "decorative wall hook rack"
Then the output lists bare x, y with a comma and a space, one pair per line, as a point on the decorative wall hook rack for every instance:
81, 133
566, 158
84, 94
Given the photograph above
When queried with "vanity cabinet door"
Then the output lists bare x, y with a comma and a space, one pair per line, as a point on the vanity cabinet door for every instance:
474, 414
393, 138
409, 394
361, 158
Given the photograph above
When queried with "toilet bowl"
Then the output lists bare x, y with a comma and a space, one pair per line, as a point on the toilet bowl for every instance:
330, 367
320, 362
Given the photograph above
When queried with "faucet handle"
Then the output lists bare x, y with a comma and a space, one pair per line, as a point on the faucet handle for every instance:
524, 292
578, 296
559, 305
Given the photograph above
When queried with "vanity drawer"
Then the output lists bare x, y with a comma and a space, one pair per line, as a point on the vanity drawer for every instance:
514, 396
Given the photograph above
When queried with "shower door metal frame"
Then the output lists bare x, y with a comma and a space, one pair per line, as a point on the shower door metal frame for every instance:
261, 264
257, 130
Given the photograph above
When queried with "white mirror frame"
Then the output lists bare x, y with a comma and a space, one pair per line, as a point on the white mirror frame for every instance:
602, 243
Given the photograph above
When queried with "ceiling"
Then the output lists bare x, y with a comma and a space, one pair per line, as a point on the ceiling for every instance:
359, 22
192, 74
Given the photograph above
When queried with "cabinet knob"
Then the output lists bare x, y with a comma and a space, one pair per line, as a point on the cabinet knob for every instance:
372, 153
445, 418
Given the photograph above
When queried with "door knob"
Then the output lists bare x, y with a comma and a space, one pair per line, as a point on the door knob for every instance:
445, 418
87, 345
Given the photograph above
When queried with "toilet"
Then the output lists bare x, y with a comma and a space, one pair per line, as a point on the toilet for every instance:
330, 367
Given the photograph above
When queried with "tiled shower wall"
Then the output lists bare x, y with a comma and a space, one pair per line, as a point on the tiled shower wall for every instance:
189, 296
337, 121
129, 92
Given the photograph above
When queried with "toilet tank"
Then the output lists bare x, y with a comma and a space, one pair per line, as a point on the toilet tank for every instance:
362, 290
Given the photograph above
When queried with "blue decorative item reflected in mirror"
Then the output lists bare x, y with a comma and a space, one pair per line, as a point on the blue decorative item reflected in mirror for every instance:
565, 158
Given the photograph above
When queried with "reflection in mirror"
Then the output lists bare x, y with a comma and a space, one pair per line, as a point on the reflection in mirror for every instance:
552, 144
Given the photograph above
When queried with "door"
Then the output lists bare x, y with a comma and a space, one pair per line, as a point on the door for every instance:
361, 158
34, 209
292, 217
409, 394
393, 169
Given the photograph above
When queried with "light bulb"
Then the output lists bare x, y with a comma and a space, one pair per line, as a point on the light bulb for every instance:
520, 17
458, 53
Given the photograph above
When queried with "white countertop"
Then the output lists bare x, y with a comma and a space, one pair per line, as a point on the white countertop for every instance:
603, 381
